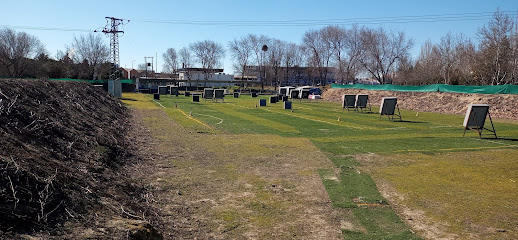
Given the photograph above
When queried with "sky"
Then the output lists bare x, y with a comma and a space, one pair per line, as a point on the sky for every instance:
154, 26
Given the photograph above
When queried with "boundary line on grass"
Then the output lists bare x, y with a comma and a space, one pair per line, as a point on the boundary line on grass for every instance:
220, 119
158, 103
196, 120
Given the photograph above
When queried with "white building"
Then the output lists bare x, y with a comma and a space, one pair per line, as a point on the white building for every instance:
199, 77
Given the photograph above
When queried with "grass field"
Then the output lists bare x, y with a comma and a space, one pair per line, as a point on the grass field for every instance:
395, 179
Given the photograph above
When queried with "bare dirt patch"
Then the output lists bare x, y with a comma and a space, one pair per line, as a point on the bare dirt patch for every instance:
501, 105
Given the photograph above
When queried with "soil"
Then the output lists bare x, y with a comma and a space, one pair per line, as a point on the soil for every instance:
501, 105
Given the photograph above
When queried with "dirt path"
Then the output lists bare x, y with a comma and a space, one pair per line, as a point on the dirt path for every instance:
211, 186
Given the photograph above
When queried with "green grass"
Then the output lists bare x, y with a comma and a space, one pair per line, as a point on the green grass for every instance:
435, 138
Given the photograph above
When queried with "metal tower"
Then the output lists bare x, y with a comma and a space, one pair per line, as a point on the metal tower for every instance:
112, 29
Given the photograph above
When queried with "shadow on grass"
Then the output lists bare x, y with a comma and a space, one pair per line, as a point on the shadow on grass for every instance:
406, 121
505, 139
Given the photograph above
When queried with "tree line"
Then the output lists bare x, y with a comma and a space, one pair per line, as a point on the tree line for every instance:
456, 59
332, 52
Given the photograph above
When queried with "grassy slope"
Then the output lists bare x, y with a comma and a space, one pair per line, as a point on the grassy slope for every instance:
437, 135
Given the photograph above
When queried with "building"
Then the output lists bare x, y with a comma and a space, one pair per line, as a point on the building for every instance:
129, 73
201, 77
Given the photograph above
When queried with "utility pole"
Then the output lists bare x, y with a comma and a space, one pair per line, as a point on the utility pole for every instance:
112, 29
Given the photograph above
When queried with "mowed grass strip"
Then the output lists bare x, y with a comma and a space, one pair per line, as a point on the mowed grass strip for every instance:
357, 192
474, 193
251, 115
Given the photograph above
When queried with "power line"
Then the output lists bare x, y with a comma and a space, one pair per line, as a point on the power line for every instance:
346, 21
430, 18
48, 28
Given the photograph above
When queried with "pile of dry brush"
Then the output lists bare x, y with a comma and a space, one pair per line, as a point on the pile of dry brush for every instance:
62, 147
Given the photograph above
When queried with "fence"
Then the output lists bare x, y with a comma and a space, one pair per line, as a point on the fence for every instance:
488, 89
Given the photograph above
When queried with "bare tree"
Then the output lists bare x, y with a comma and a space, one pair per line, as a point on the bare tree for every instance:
466, 65
16, 49
456, 54
495, 55
448, 55
92, 49
299, 62
241, 51
276, 52
514, 54
382, 52
318, 42
258, 44
187, 60
290, 59
209, 55
142, 66
170, 60
428, 66
336, 36
311, 65
353, 51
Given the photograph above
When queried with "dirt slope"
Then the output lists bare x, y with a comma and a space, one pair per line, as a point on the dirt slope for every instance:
502, 105
64, 154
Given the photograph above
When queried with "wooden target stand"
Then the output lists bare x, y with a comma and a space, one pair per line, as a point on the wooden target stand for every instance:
475, 120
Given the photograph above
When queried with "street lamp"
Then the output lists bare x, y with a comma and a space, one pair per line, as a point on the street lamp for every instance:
132, 64
264, 48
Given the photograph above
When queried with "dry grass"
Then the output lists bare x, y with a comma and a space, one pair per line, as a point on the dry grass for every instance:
471, 195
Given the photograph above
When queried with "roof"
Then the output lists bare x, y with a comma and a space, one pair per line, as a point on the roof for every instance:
215, 70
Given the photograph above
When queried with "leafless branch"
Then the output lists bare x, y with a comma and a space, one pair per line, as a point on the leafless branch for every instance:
16, 200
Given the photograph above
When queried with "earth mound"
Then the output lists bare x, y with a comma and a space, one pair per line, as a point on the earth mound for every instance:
501, 105
63, 149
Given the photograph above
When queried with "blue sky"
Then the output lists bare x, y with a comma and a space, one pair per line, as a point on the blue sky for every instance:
147, 39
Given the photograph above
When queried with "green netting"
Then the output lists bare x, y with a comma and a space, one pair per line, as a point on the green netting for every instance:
489, 89
513, 89
494, 89
67, 79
